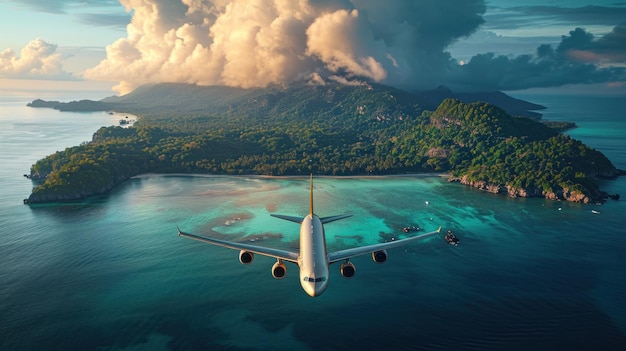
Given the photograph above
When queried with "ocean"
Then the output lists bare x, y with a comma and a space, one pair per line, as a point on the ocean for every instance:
110, 273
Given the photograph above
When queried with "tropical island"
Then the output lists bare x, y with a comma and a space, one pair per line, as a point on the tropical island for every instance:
331, 129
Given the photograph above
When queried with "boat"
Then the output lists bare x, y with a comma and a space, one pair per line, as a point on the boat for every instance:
412, 228
451, 238
595, 212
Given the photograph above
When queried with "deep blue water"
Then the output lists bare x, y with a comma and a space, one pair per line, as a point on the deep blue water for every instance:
110, 273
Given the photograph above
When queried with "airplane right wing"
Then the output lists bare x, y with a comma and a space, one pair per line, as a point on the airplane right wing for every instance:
362, 250
285, 255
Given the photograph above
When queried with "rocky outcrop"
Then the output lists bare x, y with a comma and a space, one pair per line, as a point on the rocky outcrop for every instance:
526, 192
561, 194
479, 184
64, 197
49, 196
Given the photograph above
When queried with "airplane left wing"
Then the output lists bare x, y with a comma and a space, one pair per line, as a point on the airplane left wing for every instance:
285, 255
362, 250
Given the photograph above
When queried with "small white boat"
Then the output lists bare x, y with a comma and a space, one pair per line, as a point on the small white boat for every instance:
595, 212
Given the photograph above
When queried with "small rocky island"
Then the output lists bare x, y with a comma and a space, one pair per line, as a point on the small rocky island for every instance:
326, 130
76, 106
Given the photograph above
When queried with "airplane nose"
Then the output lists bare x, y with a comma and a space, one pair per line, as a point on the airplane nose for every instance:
315, 289
309, 288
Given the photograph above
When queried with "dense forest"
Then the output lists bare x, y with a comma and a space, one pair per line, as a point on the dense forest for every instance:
324, 130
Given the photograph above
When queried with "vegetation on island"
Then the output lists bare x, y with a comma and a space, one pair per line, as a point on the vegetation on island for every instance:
325, 130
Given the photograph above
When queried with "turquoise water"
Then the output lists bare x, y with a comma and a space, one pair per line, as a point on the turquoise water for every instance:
110, 273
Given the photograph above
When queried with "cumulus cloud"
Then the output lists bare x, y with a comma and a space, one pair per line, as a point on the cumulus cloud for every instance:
580, 58
37, 60
404, 43
253, 43
609, 49
333, 39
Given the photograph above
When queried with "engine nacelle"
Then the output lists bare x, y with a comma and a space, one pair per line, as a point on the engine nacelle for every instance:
379, 256
279, 270
246, 257
348, 269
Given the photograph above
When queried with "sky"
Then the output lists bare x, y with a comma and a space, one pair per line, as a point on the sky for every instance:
467, 45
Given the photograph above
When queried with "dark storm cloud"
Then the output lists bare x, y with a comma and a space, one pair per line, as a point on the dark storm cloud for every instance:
580, 58
608, 49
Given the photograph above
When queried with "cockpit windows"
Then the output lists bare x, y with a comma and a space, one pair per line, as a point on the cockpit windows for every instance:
314, 280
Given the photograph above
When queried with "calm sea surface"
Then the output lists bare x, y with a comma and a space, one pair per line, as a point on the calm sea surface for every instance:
110, 273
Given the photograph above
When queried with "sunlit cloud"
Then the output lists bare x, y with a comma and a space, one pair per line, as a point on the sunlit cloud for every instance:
37, 60
261, 42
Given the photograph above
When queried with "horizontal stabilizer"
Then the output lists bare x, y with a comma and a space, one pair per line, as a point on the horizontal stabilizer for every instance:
288, 218
334, 218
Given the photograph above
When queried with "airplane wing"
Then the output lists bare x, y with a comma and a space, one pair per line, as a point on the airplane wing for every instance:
285, 255
362, 250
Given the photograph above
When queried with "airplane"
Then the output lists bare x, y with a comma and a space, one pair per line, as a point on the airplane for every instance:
313, 257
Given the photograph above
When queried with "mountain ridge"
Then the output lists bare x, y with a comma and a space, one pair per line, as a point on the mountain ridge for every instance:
152, 98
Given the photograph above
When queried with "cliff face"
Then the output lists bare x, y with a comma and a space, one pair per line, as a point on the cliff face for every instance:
63, 196
561, 194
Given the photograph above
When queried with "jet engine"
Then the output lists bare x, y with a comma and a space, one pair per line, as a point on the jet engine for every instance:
279, 270
379, 256
246, 257
348, 269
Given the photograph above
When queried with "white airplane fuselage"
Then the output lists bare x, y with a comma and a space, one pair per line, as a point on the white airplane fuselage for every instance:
313, 260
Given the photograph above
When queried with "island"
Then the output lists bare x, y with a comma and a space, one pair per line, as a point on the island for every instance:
331, 129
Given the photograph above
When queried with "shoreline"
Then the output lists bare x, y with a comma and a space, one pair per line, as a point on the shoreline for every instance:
30, 201
258, 176
494, 189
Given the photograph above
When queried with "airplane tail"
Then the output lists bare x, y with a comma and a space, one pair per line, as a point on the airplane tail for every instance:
324, 220
311, 196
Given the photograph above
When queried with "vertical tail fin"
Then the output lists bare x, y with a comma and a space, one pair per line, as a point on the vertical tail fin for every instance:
311, 201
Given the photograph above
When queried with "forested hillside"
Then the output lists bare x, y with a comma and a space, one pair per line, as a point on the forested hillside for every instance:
329, 130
